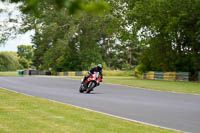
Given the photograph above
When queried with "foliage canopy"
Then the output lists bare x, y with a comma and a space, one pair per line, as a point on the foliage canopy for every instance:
157, 35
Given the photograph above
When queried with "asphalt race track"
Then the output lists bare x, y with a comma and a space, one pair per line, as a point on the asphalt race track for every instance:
171, 110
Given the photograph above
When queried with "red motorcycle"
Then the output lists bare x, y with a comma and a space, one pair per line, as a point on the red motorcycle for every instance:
92, 82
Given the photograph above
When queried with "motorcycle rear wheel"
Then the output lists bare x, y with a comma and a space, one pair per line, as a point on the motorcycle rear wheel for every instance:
81, 89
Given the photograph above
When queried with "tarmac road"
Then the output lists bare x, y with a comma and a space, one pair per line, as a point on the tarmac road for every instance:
171, 110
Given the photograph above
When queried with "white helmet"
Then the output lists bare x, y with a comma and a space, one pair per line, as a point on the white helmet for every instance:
99, 66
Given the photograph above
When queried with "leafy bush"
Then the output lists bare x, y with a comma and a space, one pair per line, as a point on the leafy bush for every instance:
127, 66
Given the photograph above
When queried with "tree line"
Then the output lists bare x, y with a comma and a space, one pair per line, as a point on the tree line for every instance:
154, 35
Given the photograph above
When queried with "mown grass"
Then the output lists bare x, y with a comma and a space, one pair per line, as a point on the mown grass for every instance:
172, 86
25, 114
118, 73
15, 73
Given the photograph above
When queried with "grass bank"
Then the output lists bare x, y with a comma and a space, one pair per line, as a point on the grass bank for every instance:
172, 86
25, 114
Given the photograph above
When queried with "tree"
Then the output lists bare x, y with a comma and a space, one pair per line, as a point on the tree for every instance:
25, 54
24, 62
169, 33
123, 50
25, 51
73, 48
66, 42
8, 23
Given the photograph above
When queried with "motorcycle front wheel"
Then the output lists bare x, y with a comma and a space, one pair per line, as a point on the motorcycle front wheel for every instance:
81, 89
90, 87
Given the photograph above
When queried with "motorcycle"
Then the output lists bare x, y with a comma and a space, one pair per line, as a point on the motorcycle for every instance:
92, 82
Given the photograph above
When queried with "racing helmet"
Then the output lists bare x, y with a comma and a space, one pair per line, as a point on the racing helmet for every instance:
99, 66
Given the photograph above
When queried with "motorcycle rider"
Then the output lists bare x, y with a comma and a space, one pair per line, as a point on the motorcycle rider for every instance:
97, 68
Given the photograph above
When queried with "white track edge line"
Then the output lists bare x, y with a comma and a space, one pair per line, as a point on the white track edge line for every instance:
123, 118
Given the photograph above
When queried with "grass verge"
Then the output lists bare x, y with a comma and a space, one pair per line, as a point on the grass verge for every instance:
8, 73
25, 114
172, 86
118, 73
